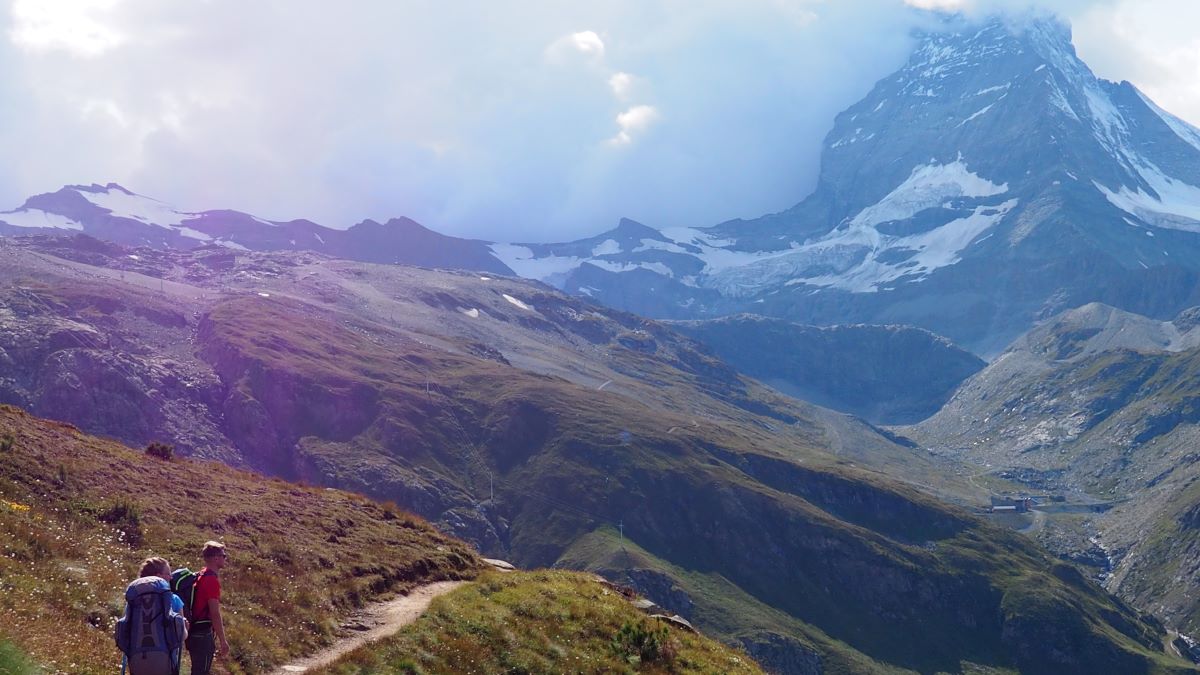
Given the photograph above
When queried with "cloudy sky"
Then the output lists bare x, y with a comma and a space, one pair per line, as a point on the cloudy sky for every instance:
533, 120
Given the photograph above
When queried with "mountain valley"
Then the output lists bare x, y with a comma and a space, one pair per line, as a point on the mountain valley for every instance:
530, 424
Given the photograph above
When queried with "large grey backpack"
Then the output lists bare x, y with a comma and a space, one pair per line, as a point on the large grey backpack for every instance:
150, 634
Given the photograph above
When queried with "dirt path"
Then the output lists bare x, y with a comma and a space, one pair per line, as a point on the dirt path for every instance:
384, 619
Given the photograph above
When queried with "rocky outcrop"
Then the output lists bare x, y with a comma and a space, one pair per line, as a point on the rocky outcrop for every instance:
662, 589
778, 653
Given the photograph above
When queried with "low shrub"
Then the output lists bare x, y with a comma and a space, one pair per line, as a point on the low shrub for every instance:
642, 643
161, 450
126, 517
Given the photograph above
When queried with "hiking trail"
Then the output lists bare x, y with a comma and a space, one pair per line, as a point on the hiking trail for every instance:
379, 620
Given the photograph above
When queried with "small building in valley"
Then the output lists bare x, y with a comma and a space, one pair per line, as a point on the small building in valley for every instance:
1013, 504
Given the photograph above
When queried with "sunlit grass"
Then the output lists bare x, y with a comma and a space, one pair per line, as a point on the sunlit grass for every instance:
77, 516
541, 622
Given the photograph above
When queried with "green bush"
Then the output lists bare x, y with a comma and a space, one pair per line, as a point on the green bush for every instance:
6, 442
161, 450
127, 518
643, 643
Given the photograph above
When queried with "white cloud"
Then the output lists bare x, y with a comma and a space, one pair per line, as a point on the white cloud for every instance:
501, 121
621, 84
586, 43
1152, 43
73, 26
941, 5
633, 122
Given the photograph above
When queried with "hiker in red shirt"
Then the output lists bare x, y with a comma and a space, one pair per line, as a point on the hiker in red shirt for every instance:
206, 612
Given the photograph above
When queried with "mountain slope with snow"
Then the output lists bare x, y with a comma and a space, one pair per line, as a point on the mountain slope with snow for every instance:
990, 182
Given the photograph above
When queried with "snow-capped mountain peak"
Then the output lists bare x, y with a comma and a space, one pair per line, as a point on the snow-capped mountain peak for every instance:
993, 154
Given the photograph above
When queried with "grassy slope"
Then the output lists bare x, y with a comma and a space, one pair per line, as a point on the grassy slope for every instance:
536, 622
300, 556
720, 607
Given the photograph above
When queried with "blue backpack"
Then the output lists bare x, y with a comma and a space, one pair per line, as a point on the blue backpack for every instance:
151, 633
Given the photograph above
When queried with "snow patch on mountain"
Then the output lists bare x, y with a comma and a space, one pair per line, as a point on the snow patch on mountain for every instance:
853, 138
988, 90
861, 259
927, 186
192, 234
517, 302
523, 261
39, 218
1175, 204
1059, 100
858, 257
695, 237
613, 266
716, 253
657, 245
607, 247
124, 204
977, 113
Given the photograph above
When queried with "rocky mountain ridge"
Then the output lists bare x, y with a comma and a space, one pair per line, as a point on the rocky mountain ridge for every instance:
112, 213
1100, 405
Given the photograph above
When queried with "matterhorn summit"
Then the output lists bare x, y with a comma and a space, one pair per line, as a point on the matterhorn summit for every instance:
992, 181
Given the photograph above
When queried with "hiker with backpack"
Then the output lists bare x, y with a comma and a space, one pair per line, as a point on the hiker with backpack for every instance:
152, 632
201, 593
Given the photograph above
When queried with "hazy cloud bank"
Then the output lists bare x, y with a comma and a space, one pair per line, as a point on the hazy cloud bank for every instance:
530, 120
